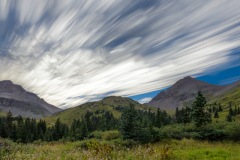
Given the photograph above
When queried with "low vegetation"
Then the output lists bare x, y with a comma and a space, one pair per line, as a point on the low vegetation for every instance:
198, 131
122, 150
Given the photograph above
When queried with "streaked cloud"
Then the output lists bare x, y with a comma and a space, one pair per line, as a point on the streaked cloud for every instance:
145, 100
70, 52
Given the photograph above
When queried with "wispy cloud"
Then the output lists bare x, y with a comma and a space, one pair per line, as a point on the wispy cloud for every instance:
70, 52
145, 100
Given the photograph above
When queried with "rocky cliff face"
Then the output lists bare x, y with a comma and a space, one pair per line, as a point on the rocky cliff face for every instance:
182, 92
21, 102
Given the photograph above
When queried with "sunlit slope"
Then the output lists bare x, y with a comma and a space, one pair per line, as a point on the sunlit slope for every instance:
112, 104
230, 96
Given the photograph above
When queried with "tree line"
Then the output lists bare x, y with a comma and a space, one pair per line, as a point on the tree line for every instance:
138, 125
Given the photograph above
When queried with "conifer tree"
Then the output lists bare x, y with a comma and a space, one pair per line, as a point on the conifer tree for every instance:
220, 107
158, 122
9, 124
199, 115
128, 121
216, 114
230, 114
187, 118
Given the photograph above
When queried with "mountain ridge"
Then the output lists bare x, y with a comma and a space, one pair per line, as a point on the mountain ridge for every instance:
185, 90
113, 104
15, 98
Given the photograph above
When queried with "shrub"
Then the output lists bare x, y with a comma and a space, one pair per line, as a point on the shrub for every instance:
233, 131
107, 135
96, 134
210, 134
169, 132
110, 135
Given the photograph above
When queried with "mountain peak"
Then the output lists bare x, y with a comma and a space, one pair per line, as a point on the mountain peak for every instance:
187, 79
21, 102
182, 92
6, 82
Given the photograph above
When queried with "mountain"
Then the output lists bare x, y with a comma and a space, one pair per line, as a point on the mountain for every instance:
21, 102
113, 104
231, 93
183, 92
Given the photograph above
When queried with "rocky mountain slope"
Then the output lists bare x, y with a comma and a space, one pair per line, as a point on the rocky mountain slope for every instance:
184, 91
21, 102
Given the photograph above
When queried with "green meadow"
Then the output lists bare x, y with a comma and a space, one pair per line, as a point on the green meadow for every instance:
185, 149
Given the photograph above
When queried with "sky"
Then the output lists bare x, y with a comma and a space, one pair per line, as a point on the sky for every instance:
75, 51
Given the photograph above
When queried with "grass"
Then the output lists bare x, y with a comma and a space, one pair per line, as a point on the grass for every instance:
95, 149
2, 113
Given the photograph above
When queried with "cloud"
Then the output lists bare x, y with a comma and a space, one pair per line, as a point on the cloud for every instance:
71, 52
145, 100
230, 80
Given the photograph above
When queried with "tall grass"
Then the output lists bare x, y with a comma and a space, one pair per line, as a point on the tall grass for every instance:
99, 149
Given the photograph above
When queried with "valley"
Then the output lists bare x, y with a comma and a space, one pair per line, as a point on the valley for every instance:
203, 123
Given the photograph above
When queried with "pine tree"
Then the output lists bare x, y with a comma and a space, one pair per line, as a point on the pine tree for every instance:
220, 107
9, 124
230, 109
56, 131
199, 115
84, 130
187, 118
158, 122
230, 114
21, 130
235, 112
229, 118
216, 114
128, 121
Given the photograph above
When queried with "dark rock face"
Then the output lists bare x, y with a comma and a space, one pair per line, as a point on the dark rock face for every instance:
182, 92
20, 102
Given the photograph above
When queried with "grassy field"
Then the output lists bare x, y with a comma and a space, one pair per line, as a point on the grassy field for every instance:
95, 149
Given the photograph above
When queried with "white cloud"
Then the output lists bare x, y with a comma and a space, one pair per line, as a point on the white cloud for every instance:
145, 100
71, 52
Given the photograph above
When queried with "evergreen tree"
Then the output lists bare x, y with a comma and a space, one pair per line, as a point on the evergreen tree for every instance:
128, 122
199, 115
187, 117
158, 122
230, 114
9, 124
229, 118
235, 112
220, 107
216, 114
84, 130
230, 109
3, 132
21, 130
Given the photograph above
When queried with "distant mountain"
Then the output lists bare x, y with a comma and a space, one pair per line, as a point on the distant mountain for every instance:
183, 92
21, 102
113, 104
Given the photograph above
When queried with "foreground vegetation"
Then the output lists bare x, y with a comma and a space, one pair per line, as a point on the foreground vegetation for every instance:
193, 132
117, 149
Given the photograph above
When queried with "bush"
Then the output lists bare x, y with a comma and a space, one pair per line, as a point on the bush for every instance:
110, 135
210, 134
107, 135
169, 132
96, 134
233, 131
